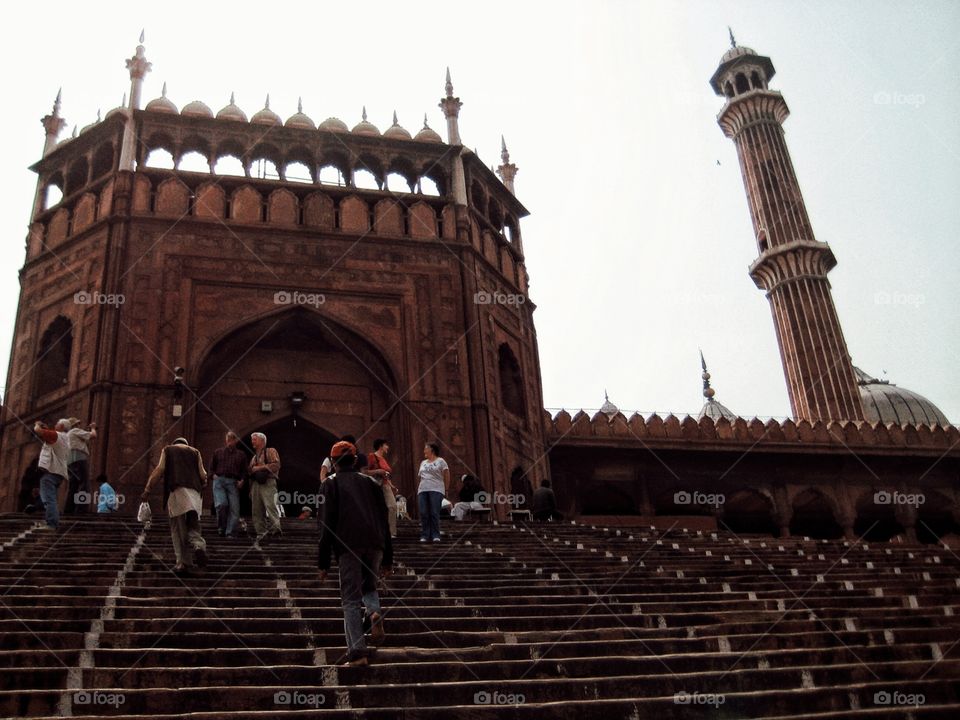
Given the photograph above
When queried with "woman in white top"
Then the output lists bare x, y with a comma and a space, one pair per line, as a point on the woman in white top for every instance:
434, 477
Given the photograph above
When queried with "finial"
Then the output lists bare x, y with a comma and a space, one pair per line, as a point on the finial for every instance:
504, 153
425, 120
449, 86
395, 118
733, 40
164, 91
299, 104
605, 396
98, 115
266, 103
123, 103
74, 134
56, 103
142, 35
231, 98
708, 392
364, 114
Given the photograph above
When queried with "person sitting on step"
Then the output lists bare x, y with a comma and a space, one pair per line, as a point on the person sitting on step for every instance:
471, 497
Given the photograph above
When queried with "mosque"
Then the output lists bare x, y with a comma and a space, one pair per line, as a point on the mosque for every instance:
189, 272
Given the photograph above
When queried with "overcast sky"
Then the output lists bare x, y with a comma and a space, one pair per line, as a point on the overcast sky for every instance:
638, 242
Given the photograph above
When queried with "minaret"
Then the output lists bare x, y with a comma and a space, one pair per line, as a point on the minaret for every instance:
507, 171
138, 67
451, 111
792, 265
52, 125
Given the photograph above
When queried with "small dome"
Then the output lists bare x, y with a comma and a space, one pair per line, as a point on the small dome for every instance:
364, 127
232, 112
885, 402
87, 127
333, 124
299, 120
715, 410
266, 116
162, 104
396, 130
428, 134
119, 110
196, 109
608, 408
735, 52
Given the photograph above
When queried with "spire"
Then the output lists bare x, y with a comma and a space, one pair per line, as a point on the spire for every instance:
363, 115
300, 104
395, 118
507, 171
266, 103
52, 124
164, 91
232, 102
99, 115
138, 66
708, 392
451, 110
733, 40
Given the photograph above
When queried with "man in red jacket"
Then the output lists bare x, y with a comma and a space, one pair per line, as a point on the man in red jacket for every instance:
354, 527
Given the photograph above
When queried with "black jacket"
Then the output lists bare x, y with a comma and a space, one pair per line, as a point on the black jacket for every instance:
353, 517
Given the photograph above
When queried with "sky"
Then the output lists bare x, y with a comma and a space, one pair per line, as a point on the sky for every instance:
639, 237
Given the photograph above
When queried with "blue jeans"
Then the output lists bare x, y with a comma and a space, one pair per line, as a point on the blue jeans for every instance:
226, 499
359, 571
49, 484
429, 505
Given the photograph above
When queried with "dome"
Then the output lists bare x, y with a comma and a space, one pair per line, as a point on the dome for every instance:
119, 110
396, 130
162, 104
333, 124
885, 402
299, 120
608, 408
266, 116
427, 134
87, 127
364, 127
715, 410
735, 52
232, 112
196, 109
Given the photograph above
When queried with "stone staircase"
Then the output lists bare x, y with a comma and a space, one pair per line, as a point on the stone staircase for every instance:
498, 621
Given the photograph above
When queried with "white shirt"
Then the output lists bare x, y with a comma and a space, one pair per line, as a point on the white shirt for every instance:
53, 456
431, 476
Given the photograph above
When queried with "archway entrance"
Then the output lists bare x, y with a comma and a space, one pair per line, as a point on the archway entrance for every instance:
297, 367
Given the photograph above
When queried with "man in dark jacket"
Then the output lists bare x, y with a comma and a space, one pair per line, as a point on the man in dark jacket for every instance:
354, 527
545, 503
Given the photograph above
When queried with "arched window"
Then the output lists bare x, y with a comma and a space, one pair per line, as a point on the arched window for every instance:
194, 162
728, 90
103, 161
297, 172
159, 158
53, 357
331, 175
77, 177
229, 165
428, 186
264, 169
398, 183
511, 382
755, 80
742, 84
52, 196
365, 180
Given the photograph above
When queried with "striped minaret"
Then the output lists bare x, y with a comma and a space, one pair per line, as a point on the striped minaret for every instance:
792, 266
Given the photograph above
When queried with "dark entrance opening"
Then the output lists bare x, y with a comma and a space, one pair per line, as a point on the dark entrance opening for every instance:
302, 446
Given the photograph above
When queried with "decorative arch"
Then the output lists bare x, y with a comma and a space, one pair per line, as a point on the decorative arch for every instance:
77, 175
749, 511
52, 369
511, 381
103, 160
816, 515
